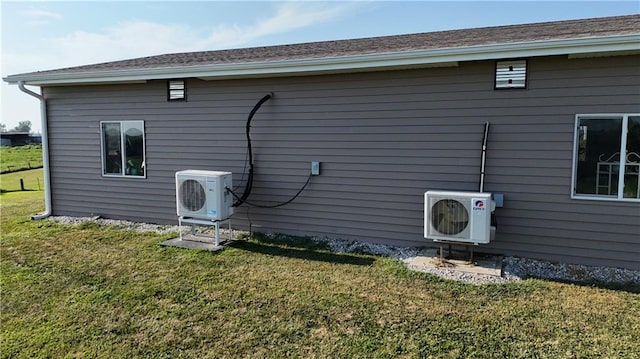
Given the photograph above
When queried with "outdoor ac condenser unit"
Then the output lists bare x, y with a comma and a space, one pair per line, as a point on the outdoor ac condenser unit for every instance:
458, 216
203, 194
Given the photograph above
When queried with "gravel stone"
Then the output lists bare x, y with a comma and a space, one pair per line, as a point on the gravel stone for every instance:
513, 268
533, 268
135, 226
338, 245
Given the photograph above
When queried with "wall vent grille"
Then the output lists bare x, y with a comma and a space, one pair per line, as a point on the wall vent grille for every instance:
511, 74
177, 90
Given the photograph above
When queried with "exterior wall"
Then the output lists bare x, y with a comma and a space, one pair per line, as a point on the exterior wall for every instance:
382, 138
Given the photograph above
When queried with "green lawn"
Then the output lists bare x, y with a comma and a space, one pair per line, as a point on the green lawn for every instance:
91, 291
33, 180
20, 158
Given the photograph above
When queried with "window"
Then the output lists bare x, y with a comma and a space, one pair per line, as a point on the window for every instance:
607, 157
511, 74
177, 90
123, 152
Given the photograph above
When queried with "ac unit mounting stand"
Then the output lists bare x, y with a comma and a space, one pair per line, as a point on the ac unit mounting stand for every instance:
468, 246
203, 222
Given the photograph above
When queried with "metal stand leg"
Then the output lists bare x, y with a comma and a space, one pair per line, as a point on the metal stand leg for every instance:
195, 222
217, 225
468, 251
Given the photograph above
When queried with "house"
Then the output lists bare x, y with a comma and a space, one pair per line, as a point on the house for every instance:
18, 138
387, 118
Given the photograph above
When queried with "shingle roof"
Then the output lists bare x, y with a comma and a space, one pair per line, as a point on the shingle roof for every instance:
526, 33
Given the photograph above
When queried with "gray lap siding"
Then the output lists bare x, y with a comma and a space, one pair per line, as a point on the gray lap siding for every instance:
383, 139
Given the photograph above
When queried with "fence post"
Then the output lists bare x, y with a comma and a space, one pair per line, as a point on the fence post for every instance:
21, 184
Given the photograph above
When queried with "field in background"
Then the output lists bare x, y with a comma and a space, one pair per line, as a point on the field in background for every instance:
20, 158
100, 291
32, 180
21, 163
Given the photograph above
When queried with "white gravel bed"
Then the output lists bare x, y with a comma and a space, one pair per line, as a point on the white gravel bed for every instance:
462, 276
135, 226
405, 254
513, 268
525, 268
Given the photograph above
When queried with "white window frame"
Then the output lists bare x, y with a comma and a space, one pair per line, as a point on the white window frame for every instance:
623, 154
122, 150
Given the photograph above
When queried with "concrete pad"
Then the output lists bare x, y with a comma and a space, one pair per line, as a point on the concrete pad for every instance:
194, 242
458, 261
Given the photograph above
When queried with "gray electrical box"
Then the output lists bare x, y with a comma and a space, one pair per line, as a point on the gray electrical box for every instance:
498, 198
315, 168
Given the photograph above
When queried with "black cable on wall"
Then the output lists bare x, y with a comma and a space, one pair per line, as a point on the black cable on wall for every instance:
242, 199
249, 186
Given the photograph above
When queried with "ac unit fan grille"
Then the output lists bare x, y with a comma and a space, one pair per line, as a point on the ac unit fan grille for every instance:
449, 217
192, 195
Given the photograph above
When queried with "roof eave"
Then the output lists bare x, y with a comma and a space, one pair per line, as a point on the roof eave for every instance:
355, 63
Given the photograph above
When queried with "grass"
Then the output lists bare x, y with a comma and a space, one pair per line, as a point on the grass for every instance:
20, 158
32, 180
93, 291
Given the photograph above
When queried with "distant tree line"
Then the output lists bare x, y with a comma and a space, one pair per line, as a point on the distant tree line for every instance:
23, 126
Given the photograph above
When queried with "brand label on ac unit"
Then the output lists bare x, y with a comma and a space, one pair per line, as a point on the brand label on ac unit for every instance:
479, 205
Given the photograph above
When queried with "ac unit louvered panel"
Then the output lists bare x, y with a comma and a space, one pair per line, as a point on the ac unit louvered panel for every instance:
511, 74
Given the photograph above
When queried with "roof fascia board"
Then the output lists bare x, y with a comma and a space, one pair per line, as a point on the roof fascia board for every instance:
426, 58
89, 82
